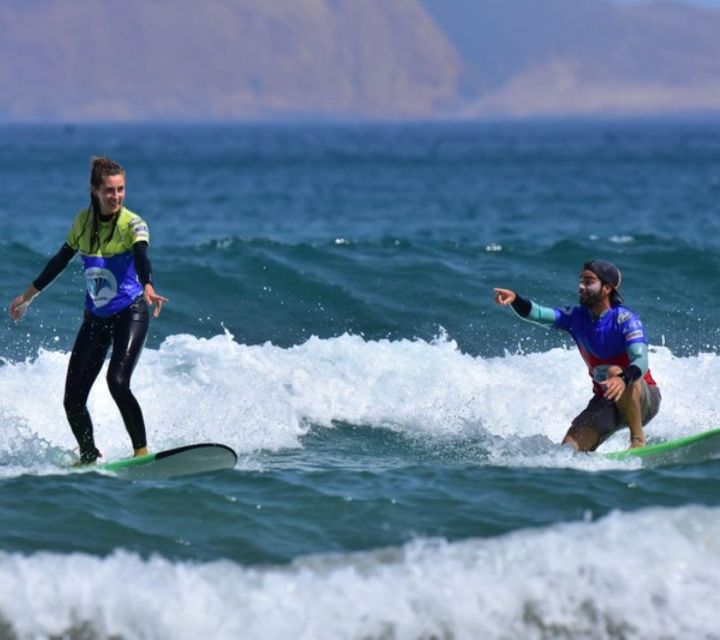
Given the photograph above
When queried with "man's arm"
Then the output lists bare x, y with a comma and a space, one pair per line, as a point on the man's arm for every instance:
526, 309
638, 354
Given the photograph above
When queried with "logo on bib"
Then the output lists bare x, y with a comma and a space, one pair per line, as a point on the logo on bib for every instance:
101, 285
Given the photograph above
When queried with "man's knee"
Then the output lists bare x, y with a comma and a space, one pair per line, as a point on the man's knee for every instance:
632, 394
583, 438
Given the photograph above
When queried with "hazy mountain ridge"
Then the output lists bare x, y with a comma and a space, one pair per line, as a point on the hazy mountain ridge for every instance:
584, 56
223, 59
377, 59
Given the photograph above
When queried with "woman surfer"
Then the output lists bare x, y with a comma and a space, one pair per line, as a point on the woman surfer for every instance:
112, 242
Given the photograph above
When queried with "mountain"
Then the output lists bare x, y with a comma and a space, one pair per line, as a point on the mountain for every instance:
583, 57
100, 60
215, 59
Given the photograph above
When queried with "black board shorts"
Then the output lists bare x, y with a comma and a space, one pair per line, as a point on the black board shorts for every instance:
603, 416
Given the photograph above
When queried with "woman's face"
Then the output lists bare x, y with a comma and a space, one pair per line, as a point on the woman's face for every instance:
111, 195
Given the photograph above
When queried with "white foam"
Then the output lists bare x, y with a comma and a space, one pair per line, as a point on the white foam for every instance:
263, 397
654, 573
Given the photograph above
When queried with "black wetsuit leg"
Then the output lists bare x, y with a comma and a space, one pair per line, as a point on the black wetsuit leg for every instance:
126, 331
88, 354
130, 328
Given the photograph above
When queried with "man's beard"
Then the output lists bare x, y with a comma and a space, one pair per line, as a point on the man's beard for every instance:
590, 298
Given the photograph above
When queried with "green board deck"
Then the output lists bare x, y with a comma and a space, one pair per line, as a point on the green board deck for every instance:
689, 449
182, 461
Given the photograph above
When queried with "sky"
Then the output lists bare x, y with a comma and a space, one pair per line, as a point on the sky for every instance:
706, 3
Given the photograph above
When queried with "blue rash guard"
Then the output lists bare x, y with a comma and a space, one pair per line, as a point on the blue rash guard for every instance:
617, 337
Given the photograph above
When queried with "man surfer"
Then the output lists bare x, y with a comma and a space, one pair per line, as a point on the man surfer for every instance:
611, 340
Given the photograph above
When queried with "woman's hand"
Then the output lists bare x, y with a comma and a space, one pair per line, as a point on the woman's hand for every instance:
152, 298
19, 305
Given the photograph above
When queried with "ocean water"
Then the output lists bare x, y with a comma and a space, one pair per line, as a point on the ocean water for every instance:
331, 319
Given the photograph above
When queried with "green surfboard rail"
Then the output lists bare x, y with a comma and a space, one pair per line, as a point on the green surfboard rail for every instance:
125, 463
182, 461
694, 448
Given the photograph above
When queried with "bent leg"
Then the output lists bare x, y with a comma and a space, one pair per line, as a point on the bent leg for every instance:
130, 329
582, 438
639, 405
86, 360
592, 426
629, 405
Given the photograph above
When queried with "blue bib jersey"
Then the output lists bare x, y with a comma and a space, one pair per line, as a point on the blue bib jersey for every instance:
110, 276
603, 341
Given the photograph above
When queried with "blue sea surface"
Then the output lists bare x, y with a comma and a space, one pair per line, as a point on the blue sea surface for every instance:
331, 319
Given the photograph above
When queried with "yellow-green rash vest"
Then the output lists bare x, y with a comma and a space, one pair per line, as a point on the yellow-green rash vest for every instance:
110, 277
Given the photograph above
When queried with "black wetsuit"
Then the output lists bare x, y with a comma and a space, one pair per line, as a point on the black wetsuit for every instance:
126, 331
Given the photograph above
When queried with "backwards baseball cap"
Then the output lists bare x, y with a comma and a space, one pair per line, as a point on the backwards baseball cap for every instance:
609, 274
